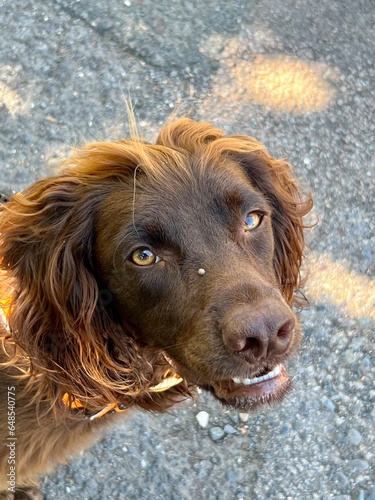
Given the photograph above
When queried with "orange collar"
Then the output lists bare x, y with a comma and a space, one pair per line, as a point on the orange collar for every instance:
170, 379
76, 406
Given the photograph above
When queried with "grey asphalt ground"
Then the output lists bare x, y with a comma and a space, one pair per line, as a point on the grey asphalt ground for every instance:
300, 76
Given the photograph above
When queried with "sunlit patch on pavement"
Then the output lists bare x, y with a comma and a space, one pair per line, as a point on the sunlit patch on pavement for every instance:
331, 281
285, 84
279, 82
11, 100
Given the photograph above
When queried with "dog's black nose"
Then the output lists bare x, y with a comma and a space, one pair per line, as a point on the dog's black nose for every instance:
259, 331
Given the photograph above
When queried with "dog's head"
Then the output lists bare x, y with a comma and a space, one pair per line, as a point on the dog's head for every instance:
138, 257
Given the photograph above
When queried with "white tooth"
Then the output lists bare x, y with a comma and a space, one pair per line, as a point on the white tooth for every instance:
247, 381
237, 380
250, 381
277, 370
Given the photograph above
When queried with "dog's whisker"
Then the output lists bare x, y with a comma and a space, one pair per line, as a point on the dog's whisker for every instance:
133, 203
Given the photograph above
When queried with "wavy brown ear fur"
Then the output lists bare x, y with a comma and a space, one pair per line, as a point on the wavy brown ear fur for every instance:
57, 318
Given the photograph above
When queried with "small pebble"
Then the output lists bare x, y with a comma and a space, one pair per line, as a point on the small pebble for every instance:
202, 418
244, 417
216, 433
231, 476
341, 480
229, 429
328, 403
350, 356
234, 417
354, 437
285, 429
366, 363
358, 465
91, 485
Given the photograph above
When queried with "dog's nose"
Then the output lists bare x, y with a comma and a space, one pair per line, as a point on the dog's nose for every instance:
258, 332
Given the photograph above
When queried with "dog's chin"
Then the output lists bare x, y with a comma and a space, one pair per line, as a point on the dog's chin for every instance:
251, 394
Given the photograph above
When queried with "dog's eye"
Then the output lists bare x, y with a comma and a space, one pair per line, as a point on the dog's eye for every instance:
144, 257
252, 221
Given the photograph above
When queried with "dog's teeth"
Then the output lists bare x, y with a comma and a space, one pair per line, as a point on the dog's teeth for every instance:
249, 381
242, 381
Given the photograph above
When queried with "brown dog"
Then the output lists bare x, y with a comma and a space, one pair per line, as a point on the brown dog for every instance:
138, 272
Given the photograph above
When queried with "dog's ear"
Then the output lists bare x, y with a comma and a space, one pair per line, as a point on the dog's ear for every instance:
275, 180
58, 315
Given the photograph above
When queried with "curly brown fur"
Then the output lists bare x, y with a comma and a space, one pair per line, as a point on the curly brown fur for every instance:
86, 321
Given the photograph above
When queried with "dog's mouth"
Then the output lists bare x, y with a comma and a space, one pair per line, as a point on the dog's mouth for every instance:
267, 386
245, 394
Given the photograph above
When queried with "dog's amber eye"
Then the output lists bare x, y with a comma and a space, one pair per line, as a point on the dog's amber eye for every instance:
144, 257
252, 221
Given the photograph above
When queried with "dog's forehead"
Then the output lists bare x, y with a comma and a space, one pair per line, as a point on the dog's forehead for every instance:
189, 204
199, 184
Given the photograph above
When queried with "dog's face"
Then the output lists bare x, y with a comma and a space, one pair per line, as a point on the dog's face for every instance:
139, 257
191, 269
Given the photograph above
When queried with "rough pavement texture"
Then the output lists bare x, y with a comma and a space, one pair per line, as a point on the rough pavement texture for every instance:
298, 75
